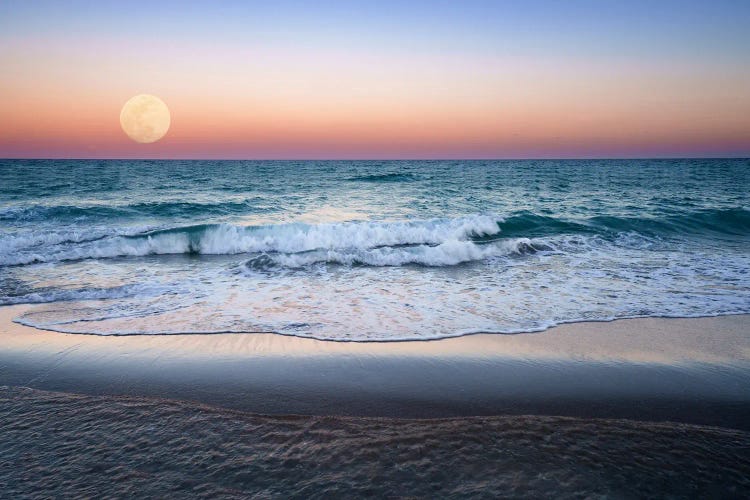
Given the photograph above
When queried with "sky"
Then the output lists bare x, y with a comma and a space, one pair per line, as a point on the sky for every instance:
379, 79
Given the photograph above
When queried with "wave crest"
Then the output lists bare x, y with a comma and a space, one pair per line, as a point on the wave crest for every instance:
425, 242
449, 253
224, 239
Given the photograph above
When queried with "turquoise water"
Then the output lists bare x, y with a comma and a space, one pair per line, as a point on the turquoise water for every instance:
370, 250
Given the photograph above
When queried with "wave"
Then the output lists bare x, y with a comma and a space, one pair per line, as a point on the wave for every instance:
154, 209
449, 253
224, 239
46, 212
80, 294
43, 240
527, 224
727, 221
733, 221
392, 177
426, 242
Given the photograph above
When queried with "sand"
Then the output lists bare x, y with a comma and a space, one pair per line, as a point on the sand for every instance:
684, 370
62, 445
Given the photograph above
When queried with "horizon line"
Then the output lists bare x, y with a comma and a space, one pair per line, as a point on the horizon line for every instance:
522, 158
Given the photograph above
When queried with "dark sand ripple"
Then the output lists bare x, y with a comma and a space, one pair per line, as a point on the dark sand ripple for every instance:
63, 445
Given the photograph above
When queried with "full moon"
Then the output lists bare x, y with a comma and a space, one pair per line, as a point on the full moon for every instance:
145, 118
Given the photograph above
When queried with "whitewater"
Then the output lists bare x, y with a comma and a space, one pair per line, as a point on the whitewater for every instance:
370, 251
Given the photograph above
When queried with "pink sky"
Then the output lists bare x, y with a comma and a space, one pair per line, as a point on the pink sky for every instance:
60, 96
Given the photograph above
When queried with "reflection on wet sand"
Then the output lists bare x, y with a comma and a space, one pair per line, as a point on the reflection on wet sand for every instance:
687, 370
159, 448
719, 340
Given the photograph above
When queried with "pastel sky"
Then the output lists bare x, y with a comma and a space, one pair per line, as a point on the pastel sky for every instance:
380, 79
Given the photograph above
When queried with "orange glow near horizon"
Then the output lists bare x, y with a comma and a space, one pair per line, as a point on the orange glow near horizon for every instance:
235, 102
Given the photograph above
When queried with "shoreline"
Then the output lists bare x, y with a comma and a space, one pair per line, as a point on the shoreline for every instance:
26, 306
694, 370
635, 341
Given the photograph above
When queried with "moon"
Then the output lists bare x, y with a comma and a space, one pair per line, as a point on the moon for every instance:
145, 118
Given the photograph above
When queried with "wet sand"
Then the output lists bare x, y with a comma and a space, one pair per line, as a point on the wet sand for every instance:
581, 410
680, 370
61, 445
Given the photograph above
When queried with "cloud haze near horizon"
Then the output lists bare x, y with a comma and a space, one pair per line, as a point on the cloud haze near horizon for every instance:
379, 79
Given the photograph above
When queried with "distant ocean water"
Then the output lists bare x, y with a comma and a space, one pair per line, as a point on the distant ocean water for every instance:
370, 250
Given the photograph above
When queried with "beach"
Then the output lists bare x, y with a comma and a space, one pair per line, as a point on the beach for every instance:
688, 370
70, 445
624, 408
363, 328
421, 249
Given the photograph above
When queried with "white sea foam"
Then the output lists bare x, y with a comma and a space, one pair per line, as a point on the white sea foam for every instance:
228, 240
447, 253
393, 280
79, 294
576, 280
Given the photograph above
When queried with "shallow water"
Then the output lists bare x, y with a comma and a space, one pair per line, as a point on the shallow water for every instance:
401, 250
60, 445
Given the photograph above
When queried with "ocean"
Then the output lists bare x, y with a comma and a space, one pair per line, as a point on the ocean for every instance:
370, 250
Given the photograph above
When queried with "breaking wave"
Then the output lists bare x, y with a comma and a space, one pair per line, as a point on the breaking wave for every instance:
437, 242
448, 253
224, 239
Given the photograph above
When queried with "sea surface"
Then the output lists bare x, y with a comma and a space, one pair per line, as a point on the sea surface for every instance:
370, 250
